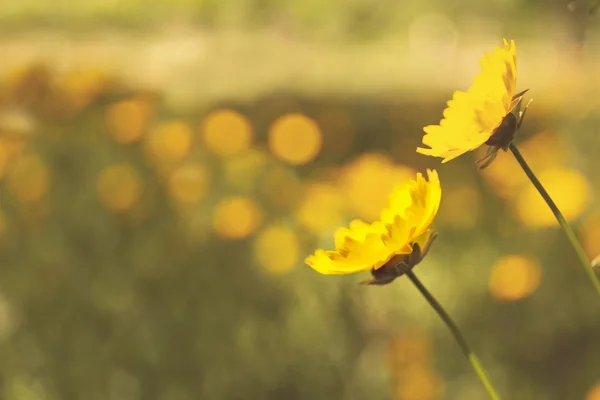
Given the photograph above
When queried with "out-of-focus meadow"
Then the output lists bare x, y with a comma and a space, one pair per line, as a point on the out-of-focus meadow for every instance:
166, 166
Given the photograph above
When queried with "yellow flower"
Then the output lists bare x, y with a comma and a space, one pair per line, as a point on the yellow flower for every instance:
473, 117
403, 226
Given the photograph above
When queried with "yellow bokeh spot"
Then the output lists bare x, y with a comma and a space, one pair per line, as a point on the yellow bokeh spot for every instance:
514, 277
322, 208
119, 187
505, 176
568, 188
28, 178
542, 151
189, 182
4, 157
593, 393
295, 139
127, 119
412, 347
227, 132
236, 217
277, 249
170, 141
590, 234
29, 85
368, 182
281, 187
461, 208
419, 383
81, 87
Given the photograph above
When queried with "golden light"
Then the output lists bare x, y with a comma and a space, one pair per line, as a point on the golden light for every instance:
227, 132
504, 175
170, 141
236, 217
119, 187
189, 182
461, 208
419, 383
590, 234
323, 207
542, 151
281, 187
127, 119
81, 87
368, 181
12, 146
28, 178
30, 84
4, 157
514, 277
593, 393
295, 139
412, 347
568, 188
277, 249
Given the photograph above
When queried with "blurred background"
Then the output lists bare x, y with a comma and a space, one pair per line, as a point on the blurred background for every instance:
166, 166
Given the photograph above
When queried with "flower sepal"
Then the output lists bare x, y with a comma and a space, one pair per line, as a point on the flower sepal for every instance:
401, 263
504, 134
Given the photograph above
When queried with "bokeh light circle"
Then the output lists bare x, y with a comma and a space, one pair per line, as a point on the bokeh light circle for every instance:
295, 139
419, 382
593, 393
323, 207
170, 141
189, 182
368, 181
412, 347
127, 119
227, 132
28, 178
514, 277
462, 207
119, 187
277, 249
569, 189
589, 234
236, 217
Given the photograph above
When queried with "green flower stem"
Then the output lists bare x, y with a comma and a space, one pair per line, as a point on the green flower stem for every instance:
475, 363
585, 263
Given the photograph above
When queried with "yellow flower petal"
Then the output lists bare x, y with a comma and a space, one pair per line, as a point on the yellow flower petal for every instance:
362, 246
471, 117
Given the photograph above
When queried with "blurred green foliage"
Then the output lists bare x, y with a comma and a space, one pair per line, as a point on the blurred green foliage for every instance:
99, 304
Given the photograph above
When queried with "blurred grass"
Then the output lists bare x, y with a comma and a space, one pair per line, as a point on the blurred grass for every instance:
141, 186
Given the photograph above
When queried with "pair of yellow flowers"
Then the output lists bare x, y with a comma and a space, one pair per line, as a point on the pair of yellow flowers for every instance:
399, 239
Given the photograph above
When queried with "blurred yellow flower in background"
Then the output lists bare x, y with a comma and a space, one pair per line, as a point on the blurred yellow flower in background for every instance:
403, 226
473, 117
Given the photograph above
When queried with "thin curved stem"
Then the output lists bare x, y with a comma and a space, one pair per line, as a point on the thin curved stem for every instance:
585, 263
475, 363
